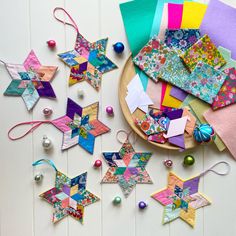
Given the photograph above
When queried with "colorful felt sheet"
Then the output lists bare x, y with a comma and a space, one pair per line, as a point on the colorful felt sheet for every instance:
223, 121
178, 93
193, 13
227, 56
164, 22
220, 24
168, 100
138, 31
175, 12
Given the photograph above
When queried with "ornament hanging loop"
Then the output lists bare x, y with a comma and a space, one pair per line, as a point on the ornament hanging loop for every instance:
211, 169
45, 161
123, 136
74, 25
35, 124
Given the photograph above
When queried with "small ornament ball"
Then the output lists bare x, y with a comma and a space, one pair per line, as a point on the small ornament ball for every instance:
142, 205
168, 163
204, 133
47, 111
188, 160
38, 178
46, 143
109, 110
117, 200
97, 163
80, 94
118, 47
51, 43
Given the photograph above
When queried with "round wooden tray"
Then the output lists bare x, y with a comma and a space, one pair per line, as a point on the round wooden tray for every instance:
127, 75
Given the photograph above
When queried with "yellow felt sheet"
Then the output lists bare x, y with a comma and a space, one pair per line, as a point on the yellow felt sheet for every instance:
193, 13
170, 101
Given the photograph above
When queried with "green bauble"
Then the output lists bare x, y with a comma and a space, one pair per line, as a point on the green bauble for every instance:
117, 200
189, 160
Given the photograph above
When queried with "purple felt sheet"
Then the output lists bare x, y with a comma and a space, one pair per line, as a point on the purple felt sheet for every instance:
175, 114
177, 141
178, 93
219, 23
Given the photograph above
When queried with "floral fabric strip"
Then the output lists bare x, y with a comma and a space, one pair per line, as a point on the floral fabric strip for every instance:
152, 57
203, 50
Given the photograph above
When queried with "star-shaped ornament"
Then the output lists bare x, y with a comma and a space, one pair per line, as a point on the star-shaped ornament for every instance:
80, 126
69, 197
181, 199
127, 168
31, 80
87, 61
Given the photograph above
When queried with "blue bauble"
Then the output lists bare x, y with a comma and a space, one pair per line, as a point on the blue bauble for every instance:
203, 133
119, 47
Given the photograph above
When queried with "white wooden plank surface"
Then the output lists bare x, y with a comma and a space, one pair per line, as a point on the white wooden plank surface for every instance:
28, 25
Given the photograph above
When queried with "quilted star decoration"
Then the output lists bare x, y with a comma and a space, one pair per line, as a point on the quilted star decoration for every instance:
30, 80
69, 197
87, 61
127, 168
181, 199
80, 126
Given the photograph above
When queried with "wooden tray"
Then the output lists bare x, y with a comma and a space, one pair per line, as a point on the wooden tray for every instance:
127, 75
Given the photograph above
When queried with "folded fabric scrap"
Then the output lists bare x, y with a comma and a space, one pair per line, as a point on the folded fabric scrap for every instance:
160, 126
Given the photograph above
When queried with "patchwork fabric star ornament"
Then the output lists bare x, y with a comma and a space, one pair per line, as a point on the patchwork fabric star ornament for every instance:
31, 80
127, 167
182, 198
87, 61
69, 196
79, 126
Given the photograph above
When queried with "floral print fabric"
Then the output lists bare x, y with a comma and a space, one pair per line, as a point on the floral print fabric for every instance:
204, 82
152, 57
203, 50
181, 39
227, 93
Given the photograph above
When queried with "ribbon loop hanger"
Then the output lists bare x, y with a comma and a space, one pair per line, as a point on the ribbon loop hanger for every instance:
35, 124
211, 169
123, 136
45, 161
73, 24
